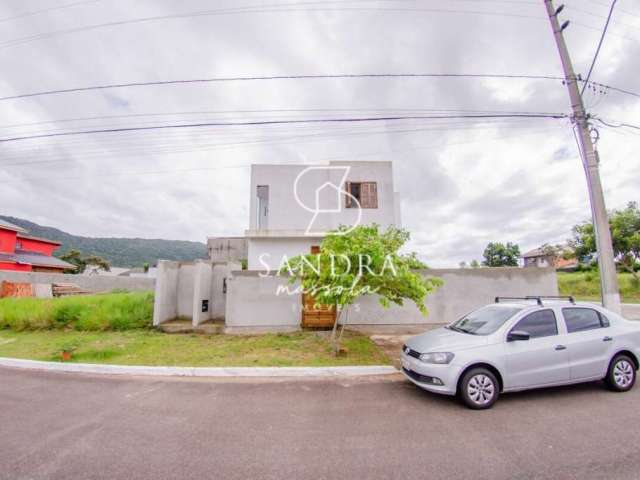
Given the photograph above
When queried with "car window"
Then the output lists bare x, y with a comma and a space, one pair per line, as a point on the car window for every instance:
581, 319
538, 324
485, 320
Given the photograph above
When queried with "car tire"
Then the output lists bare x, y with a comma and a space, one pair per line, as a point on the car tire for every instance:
621, 375
479, 389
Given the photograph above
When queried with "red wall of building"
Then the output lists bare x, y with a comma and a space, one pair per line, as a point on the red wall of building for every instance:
7, 241
15, 266
37, 246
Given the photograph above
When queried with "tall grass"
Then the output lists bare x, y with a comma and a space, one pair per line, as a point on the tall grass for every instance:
587, 285
113, 311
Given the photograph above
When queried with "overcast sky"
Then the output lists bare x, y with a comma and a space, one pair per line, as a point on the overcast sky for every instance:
462, 183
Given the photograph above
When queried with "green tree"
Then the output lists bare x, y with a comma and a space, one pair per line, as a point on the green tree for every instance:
75, 257
500, 255
474, 263
625, 235
359, 262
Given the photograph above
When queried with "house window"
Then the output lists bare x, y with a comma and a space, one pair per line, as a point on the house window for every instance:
364, 193
262, 193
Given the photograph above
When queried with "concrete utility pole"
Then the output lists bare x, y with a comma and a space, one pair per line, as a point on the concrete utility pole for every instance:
608, 275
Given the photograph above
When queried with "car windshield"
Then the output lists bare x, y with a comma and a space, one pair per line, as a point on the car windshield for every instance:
485, 320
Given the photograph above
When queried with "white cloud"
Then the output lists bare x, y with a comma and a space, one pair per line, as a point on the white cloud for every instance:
462, 185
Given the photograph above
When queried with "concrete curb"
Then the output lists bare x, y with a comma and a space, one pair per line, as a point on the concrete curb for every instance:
354, 371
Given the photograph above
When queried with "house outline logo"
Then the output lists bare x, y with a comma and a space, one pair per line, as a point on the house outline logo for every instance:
339, 191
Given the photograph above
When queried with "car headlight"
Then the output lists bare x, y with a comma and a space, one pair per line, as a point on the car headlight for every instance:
437, 357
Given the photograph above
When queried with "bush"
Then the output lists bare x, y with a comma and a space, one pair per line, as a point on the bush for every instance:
113, 311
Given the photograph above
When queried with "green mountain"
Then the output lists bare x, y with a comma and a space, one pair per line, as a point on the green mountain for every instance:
120, 252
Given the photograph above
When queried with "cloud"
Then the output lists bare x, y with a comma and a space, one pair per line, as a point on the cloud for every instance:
463, 183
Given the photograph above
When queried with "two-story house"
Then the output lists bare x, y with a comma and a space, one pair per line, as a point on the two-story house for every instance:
24, 253
292, 207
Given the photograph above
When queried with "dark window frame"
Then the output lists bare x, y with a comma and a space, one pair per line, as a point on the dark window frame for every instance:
604, 321
555, 318
371, 202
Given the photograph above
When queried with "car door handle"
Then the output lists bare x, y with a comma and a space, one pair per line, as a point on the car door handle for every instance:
560, 347
607, 339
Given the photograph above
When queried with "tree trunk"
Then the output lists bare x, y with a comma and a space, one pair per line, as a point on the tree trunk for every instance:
344, 324
335, 329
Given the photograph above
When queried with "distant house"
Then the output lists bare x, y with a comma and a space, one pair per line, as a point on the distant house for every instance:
23, 253
539, 258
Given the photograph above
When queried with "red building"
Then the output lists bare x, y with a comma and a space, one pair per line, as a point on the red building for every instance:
19, 251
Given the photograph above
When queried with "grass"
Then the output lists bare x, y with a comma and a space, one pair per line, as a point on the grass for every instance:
147, 347
586, 286
112, 311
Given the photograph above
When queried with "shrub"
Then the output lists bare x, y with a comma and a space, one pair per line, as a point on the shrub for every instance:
114, 311
66, 313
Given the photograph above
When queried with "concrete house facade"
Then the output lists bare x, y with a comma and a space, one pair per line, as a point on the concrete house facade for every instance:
292, 207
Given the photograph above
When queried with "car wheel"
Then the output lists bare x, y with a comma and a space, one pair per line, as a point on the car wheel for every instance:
622, 374
479, 389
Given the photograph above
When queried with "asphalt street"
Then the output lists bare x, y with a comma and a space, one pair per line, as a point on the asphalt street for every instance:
70, 426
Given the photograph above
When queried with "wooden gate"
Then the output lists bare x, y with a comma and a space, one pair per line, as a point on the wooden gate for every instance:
316, 316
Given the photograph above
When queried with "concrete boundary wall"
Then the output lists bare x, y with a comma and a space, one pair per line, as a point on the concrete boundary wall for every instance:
92, 283
252, 302
193, 290
252, 299
464, 290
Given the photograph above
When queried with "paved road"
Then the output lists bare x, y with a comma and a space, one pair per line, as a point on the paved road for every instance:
631, 311
67, 426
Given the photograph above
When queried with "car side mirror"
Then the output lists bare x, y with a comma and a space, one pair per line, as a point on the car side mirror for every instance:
517, 335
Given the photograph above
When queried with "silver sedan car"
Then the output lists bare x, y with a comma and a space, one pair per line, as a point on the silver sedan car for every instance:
522, 343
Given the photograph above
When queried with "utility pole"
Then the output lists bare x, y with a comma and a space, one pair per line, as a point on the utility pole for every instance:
590, 160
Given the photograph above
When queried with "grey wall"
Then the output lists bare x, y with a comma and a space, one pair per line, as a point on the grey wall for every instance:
463, 290
165, 305
227, 249
181, 288
186, 274
203, 277
252, 302
92, 283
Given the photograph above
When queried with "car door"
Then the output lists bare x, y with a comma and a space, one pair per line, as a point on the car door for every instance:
541, 360
589, 342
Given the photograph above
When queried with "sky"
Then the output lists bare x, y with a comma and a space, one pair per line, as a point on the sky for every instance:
462, 183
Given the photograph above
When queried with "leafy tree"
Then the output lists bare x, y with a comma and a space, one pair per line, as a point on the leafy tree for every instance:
75, 257
474, 263
625, 235
556, 252
463, 264
359, 262
500, 255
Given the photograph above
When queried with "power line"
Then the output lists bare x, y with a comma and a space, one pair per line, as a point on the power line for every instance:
306, 77
595, 57
45, 10
256, 8
261, 111
620, 125
182, 170
278, 122
168, 146
280, 77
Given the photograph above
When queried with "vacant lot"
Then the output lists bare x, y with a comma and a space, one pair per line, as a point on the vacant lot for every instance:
586, 286
147, 347
112, 311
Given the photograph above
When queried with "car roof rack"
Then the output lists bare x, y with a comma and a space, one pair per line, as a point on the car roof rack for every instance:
538, 298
